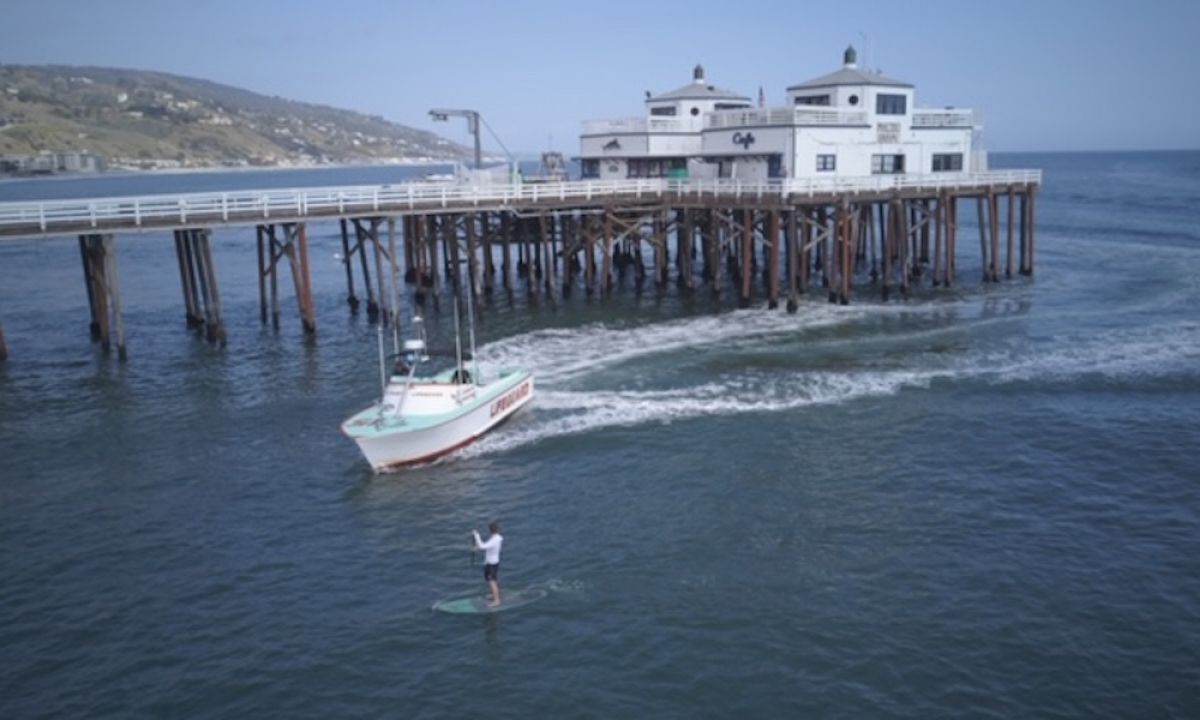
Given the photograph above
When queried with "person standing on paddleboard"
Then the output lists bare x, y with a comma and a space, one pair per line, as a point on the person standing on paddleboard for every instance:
491, 560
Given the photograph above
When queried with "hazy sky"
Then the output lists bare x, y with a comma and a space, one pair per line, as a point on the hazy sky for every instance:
1046, 75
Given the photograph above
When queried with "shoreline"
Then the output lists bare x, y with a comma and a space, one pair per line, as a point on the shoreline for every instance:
135, 172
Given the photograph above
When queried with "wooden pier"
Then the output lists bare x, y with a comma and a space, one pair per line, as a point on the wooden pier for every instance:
766, 242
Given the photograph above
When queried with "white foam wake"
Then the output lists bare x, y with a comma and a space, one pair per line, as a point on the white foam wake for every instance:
563, 359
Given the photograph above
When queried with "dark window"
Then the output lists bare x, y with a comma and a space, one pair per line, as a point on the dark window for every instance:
654, 167
775, 166
662, 111
886, 104
591, 169
813, 100
731, 106
853, 99
887, 164
947, 162
695, 111
826, 163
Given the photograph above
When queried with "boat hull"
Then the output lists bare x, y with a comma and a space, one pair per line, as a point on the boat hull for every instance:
405, 447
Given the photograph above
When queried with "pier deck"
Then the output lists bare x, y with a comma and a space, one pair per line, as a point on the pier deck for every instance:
257, 207
794, 234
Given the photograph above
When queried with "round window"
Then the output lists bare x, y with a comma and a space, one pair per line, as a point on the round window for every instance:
695, 111
853, 99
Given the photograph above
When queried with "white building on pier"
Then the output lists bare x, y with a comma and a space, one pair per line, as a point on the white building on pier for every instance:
848, 123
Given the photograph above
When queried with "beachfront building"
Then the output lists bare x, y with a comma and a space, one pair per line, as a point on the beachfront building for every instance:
848, 123
666, 142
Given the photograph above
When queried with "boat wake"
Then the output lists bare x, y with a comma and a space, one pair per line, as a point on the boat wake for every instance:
577, 368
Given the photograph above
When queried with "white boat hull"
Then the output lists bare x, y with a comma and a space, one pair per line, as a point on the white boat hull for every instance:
390, 450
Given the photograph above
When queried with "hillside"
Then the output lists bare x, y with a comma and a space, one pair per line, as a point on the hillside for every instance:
148, 119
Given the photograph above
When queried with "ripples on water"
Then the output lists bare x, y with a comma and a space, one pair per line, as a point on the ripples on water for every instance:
976, 503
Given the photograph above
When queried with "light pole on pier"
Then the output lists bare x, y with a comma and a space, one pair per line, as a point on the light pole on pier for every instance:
472, 116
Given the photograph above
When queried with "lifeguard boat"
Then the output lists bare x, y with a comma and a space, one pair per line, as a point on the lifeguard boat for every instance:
427, 412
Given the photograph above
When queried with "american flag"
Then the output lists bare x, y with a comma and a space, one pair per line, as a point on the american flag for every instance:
762, 99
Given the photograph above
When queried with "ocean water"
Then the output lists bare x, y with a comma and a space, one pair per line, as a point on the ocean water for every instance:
981, 502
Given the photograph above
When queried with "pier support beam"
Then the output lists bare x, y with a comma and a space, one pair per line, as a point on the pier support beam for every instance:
293, 246
347, 254
187, 278
100, 267
747, 251
773, 259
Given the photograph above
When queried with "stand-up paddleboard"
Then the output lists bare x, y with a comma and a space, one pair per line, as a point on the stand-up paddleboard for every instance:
478, 604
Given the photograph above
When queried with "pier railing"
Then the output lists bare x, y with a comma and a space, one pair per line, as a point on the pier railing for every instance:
244, 207
802, 115
652, 124
946, 118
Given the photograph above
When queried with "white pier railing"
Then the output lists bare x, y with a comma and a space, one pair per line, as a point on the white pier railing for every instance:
246, 207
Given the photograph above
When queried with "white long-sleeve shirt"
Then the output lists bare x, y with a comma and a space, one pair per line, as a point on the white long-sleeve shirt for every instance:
491, 548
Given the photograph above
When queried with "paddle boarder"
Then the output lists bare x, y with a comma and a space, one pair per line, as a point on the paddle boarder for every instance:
491, 560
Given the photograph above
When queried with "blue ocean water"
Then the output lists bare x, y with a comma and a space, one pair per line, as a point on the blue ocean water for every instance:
979, 502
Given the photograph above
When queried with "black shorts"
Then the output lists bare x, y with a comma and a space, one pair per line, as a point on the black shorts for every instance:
491, 572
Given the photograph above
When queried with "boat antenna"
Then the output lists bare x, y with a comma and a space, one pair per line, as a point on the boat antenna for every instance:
458, 338
471, 329
382, 370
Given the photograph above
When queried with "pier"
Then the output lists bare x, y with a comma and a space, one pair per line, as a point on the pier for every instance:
766, 242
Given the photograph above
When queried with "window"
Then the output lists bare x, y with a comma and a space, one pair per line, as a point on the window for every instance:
662, 111
695, 111
886, 104
775, 166
655, 167
826, 163
887, 164
591, 169
947, 162
813, 100
853, 99
731, 106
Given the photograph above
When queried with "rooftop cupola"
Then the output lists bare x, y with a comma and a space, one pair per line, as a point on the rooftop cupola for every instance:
850, 57
698, 74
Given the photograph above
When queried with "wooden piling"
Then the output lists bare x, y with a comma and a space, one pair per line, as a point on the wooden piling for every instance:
606, 263
983, 225
686, 238
939, 212
904, 234
747, 251
506, 243
489, 268
360, 238
1008, 264
274, 255
351, 299
472, 255
214, 328
887, 240
394, 303
773, 259
89, 284
187, 278
375, 223
793, 260
309, 312
262, 273
114, 290
1032, 192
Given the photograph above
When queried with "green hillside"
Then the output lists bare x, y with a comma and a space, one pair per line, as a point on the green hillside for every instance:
148, 119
